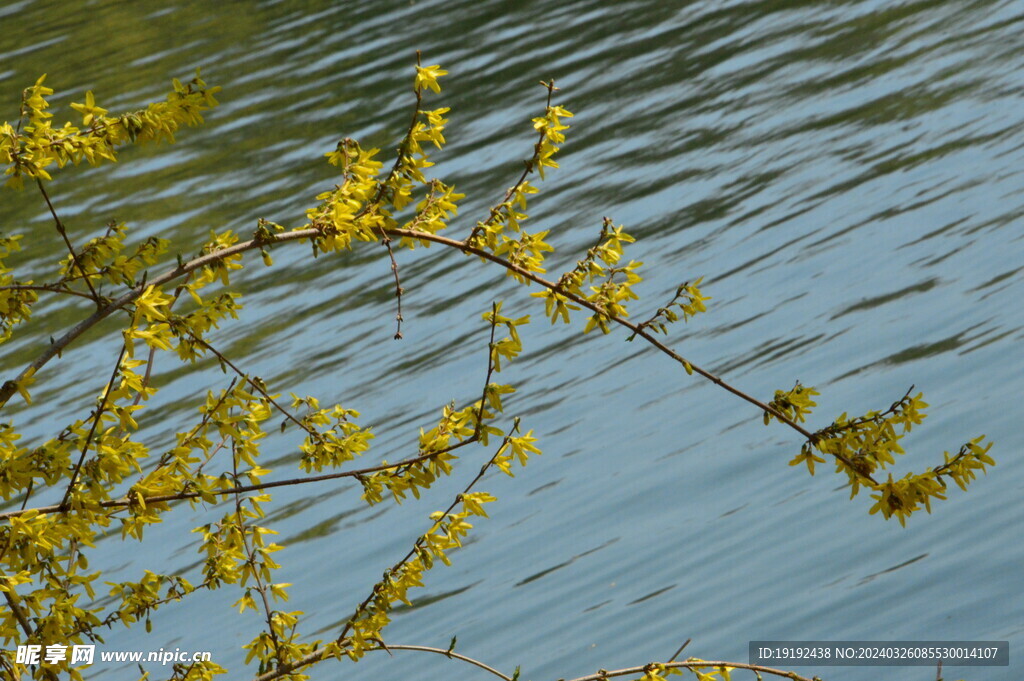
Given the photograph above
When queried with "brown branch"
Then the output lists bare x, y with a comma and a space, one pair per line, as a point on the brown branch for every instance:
322, 654
67, 242
386, 242
19, 615
178, 496
51, 288
526, 274
447, 653
13, 671
92, 431
10, 387
681, 649
691, 664
256, 386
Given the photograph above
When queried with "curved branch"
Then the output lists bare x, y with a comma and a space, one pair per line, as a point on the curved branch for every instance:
635, 328
9, 388
690, 664
451, 654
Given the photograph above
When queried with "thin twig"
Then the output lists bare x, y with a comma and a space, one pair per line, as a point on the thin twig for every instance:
21, 117
416, 545
431, 199
67, 242
681, 649
255, 385
92, 431
382, 187
178, 496
28, 493
403, 148
582, 265
251, 560
51, 288
490, 372
446, 653
386, 242
529, 166
322, 654
166, 458
113, 617
209, 457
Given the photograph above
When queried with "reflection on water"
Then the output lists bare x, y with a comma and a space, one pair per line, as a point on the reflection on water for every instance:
846, 176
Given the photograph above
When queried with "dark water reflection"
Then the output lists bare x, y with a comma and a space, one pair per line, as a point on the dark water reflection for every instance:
846, 176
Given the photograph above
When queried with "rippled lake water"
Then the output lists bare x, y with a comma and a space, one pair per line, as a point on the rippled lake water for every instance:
846, 176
